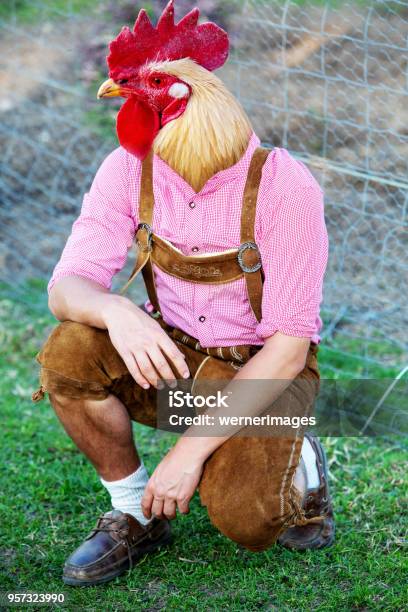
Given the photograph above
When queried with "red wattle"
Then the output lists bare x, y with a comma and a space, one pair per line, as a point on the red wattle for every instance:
137, 126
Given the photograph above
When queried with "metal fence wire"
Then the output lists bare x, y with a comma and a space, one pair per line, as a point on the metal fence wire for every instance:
328, 81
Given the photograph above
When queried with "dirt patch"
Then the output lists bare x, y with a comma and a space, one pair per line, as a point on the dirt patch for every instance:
24, 66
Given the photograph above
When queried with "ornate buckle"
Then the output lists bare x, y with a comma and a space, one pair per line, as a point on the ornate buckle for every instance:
149, 231
244, 247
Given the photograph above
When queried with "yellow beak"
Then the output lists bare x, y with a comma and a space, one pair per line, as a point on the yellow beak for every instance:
109, 89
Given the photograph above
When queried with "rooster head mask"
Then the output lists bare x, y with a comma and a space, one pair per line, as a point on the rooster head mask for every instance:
154, 97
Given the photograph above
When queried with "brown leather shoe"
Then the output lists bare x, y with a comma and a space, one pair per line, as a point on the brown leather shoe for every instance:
317, 504
112, 547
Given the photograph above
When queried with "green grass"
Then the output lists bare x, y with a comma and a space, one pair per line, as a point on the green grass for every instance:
342, 357
31, 11
51, 498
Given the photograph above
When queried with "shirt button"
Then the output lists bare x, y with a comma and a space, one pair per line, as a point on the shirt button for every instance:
194, 249
192, 204
201, 319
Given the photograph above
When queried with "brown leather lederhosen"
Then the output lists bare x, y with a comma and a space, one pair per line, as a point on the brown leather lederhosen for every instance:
247, 482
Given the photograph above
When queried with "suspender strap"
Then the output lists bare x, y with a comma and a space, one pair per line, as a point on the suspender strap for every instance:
146, 204
248, 255
144, 234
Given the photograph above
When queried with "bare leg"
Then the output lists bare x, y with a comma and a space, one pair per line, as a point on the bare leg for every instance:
102, 430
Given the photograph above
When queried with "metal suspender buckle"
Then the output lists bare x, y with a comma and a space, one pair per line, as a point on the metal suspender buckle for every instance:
148, 247
244, 247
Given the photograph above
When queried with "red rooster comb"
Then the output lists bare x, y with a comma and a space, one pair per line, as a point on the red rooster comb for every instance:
207, 44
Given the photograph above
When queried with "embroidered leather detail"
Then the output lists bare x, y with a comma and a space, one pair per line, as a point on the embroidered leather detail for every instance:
197, 271
234, 365
236, 354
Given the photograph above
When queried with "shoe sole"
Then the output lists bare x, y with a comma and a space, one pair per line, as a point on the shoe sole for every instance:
149, 549
312, 545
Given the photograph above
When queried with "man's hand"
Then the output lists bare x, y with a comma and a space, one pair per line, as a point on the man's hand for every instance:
143, 345
139, 339
174, 481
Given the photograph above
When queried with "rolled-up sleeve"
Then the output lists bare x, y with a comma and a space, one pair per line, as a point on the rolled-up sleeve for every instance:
103, 233
294, 251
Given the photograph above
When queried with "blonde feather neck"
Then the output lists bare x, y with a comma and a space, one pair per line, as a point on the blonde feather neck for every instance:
212, 134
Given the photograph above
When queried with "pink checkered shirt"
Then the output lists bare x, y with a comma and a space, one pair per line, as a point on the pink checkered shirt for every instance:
289, 230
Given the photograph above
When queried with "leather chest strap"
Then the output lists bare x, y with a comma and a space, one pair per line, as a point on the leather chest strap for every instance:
144, 246
146, 204
249, 252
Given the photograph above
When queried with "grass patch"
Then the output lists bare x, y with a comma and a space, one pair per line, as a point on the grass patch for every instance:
342, 358
51, 498
32, 11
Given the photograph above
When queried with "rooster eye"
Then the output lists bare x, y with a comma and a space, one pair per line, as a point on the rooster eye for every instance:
157, 81
123, 81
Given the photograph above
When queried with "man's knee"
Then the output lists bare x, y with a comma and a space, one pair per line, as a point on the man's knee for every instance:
247, 492
69, 343
73, 361
249, 523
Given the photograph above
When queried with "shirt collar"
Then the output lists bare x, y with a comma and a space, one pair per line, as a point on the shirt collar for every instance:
220, 178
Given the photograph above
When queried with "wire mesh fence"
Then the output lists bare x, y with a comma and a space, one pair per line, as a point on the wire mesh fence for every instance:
328, 81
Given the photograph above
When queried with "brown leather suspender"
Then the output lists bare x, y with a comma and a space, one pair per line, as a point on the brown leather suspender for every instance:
215, 268
252, 268
146, 206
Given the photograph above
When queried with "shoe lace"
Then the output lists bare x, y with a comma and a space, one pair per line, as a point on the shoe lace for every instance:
301, 518
109, 525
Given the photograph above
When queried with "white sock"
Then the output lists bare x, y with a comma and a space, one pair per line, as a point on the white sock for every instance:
126, 494
309, 460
